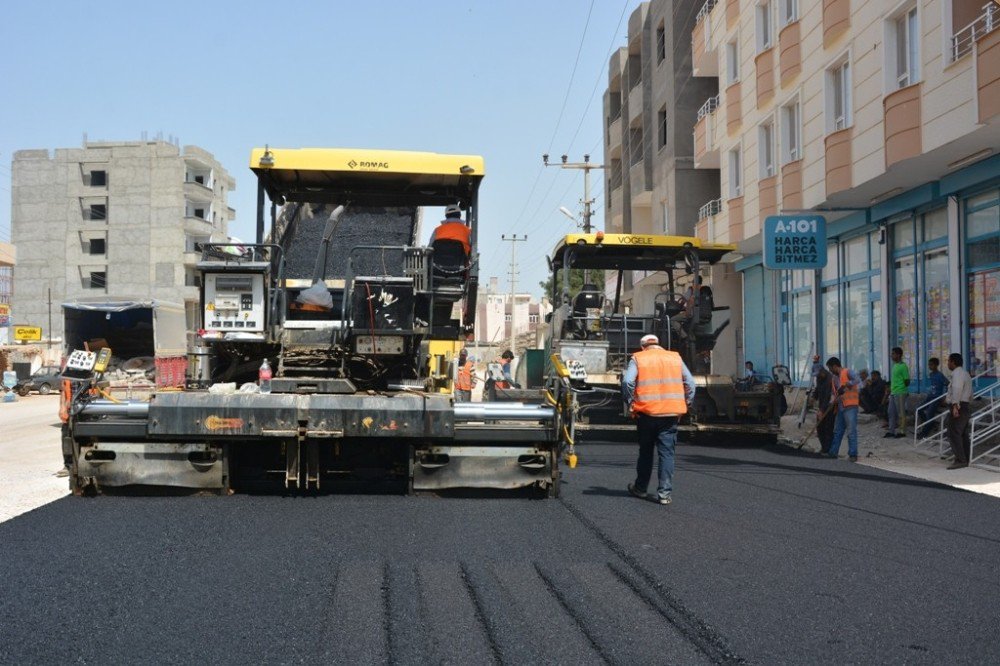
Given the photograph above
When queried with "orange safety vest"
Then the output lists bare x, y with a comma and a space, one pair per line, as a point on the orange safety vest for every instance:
454, 230
464, 380
659, 389
851, 397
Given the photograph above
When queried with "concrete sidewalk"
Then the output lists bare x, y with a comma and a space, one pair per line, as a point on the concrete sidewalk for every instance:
30, 454
896, 455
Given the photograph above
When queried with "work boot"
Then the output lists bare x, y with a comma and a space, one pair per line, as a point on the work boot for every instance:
635, 492
661, 500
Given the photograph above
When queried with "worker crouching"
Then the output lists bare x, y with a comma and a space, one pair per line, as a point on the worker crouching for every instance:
657, 389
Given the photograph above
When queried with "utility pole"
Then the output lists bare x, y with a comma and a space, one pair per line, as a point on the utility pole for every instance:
513, 239
587, 167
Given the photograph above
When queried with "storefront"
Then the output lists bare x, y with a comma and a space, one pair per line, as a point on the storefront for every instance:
920, 271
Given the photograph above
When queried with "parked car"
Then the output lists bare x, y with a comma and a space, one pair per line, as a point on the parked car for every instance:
44, 381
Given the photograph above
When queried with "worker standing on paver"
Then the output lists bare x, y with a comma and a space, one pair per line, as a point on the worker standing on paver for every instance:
465, 379
847, 383
899, 382
958, 399
657, 389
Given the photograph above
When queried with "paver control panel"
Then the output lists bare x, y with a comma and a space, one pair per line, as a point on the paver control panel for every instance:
234, 302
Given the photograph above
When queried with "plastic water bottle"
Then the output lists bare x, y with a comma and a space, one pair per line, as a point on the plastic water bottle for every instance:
265, 377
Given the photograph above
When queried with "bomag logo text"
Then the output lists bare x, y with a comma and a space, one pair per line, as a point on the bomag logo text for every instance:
367, 164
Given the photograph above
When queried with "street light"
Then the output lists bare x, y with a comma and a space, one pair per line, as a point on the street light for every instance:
565, 211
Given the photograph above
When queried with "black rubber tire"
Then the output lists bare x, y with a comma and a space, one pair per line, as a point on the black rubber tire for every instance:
44, 389
22, 391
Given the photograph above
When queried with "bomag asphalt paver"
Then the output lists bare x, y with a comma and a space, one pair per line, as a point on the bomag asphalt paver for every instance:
595, 335
361, 326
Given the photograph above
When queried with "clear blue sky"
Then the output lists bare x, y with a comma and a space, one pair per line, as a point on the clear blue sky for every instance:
483, 77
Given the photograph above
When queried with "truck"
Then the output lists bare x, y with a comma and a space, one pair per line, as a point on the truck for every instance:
595, 334
358, 325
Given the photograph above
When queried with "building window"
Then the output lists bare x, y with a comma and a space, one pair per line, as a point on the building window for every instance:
532, 319
903, 49
790, 132
921, 288
506, 317
98, 178
851, 302
765, 145
764, 36
661, 123
982, 225
789, 11
838, 84
735, 174
661, 44
97, 212
732, 63
97, 280
97, 246
798, 313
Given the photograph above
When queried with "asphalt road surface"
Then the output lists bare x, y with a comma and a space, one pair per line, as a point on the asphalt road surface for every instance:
766, 556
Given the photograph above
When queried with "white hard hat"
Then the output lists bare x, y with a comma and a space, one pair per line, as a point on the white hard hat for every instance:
453, 208
649, 340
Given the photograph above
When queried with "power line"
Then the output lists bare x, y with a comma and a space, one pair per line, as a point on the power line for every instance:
600, 75
572, 76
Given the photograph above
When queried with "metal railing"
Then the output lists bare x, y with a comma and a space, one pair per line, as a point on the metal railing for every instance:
964, 39
984, 430
705, 10
710, 106
938, 439
710, 209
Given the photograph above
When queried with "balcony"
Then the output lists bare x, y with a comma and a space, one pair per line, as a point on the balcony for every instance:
988, 69
838, 161
191, 259
706, 150
764, 63
836, 20
963, 41
768, 196
635, 102
791, 185
615, 137
197, 226
705, 60
734, 113
789, 54
903, 124
640, 191
195, 191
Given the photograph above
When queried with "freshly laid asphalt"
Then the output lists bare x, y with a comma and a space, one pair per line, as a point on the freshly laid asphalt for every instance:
767, 555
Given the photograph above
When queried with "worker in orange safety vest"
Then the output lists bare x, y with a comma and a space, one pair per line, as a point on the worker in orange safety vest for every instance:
658, 389
848, 385
452, 228
465, 378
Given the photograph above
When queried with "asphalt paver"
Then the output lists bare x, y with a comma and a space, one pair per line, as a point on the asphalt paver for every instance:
767, 555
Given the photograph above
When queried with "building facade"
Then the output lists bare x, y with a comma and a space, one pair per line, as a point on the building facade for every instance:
884, 117
653, 183
8, 257
113, 220
497, 313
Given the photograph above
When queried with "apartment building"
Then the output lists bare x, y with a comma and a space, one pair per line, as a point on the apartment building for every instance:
8, 257
883, 116
653, 185
497, 312
113, 220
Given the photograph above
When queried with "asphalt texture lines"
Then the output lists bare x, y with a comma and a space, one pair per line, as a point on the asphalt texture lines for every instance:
766, 556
